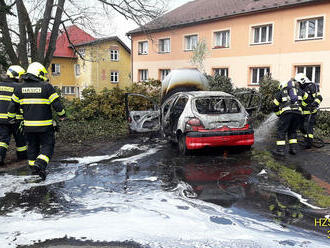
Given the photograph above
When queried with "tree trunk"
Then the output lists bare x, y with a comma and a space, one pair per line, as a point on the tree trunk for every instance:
6, 39
44, 30
22, 46
54, 34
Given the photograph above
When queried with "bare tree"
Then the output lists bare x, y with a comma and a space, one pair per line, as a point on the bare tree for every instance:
36, 28
199, 55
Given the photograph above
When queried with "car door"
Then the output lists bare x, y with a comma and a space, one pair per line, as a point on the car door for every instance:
142, 113
251, 100
175, 113
166, 110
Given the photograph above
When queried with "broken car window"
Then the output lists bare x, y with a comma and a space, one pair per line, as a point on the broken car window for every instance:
217, 105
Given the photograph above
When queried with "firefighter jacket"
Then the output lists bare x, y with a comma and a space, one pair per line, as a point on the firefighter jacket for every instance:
7, 88
288, 99
36, 98
310, 105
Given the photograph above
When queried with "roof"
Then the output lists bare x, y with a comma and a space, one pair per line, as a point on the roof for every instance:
102, 40
76, 36
201, 11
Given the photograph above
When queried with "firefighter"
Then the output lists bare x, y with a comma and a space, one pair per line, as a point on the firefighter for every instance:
309, 107
7, 87
36, 96
287, 105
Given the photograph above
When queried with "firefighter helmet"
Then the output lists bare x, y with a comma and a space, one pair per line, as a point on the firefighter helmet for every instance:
302, 78
38, 70
15, 71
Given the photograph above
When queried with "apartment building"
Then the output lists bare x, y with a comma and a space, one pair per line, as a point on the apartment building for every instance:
82, 61
246, 39
103, 63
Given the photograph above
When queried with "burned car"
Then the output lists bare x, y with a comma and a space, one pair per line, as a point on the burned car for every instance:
192, 116
195, 119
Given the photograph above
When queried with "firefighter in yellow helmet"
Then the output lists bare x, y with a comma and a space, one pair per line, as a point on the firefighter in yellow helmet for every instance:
36, 96
287, 106
7, 87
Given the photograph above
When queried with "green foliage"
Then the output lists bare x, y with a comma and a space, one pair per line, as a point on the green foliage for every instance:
322, 127
199, 55
220, 83
109, 104
102, 115
268, 88
293, 179
73, 131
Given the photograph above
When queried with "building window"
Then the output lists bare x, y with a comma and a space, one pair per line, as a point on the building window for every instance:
68, 90
310, 29
164, 45
143, 47
221, 71
221, 39
164, 73
114, 77
190, 42
77, 69
313, 72
81, 51
262, 34
143, 75
258, 73
114, 55
56, 69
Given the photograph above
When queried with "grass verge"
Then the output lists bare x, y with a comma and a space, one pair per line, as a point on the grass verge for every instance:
293, 179
73, 131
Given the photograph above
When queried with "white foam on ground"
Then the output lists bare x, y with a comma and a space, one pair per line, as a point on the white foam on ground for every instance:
93, 159
17, 184
262, 172
133, 159
300, 198
288, 191
155, 218
152, 179
159, 219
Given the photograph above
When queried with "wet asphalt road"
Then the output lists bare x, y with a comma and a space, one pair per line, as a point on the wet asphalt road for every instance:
141, 193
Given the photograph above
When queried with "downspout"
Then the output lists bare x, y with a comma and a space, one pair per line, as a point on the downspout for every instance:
130, 37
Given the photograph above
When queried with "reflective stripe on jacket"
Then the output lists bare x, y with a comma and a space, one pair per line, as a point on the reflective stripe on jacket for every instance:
314, 100
288, 99
7, 88
36, 99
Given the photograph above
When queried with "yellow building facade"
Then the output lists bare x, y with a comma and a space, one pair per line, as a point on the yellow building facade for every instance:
105, 63
101, 63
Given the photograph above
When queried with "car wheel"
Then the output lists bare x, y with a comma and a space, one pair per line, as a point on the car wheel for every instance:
182, 145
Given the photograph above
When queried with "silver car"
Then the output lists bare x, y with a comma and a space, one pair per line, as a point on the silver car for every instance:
196, 119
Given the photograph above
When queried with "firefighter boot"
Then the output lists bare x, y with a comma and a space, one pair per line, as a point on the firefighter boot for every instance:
280, 151
308, 143
293, 149
21, 155
41, 170
2, 160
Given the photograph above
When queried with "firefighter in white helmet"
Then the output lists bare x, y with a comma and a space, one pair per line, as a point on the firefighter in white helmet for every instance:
309, 107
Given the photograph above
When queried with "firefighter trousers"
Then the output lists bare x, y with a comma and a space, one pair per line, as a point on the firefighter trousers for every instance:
6, 131
40, 148
287, 126
307, 126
